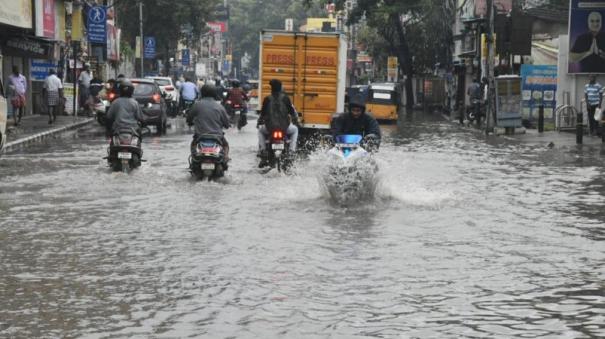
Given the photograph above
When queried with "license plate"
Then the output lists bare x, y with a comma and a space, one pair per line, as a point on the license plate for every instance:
278, 146
207, 166
124, 155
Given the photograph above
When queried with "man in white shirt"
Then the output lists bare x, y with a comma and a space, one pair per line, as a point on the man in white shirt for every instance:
53, 89
84, 88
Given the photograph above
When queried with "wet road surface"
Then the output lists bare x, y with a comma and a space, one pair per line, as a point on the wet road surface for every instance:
466, 237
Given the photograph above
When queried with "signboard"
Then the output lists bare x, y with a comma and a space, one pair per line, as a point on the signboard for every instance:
45, 18
218, 26
289, 25
539, 86
502, 6
392, 67
20, 46
149, 47
363, 57
200, 70
97, 24
185, 57
40, 67
16, 13
69, 93
113, 41
508, 101
586, 37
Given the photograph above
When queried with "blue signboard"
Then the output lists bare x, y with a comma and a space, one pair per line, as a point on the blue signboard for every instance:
149, 46
97, 24
587, 37
40, 67
539, 86
185, 57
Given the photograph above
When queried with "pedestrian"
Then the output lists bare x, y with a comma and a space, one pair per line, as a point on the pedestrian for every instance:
593, 95
84, 85
18, 86
53, 91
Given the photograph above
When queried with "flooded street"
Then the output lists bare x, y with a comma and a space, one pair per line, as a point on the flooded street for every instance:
466, 237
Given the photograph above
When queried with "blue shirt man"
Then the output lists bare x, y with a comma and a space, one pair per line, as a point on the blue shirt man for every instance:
592, 95
189, 91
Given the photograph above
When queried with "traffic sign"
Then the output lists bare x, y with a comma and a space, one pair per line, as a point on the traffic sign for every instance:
185, 57
149, 47
97, 24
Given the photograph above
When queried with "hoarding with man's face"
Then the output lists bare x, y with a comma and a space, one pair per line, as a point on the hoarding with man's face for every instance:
586, 36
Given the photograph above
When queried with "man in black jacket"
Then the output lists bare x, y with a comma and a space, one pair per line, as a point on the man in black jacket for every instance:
356, 121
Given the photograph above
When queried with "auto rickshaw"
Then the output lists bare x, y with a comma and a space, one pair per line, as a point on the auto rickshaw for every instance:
384, 101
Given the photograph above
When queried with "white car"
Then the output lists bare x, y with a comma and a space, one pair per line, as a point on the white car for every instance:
170, 90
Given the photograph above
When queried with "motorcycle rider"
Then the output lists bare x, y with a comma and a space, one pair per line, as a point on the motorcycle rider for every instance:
357, 121
189, 92
220, 89
209, 117
277, 112
124, 112
475, 96
238, 97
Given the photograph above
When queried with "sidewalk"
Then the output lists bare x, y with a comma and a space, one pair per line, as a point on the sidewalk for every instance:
34, 128
553, 138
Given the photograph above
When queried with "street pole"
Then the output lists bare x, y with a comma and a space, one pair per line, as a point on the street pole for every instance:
74, 48
491, 109
142, 39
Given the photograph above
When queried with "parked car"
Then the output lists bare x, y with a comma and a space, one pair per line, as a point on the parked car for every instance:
172, 94
149, 96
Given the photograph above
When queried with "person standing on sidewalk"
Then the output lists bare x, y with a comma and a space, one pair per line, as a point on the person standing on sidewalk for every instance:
18, 86
592, 94
53, 91
84, 86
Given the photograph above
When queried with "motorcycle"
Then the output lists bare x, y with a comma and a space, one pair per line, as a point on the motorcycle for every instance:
350, 174
474, 114
187, 104
278, 150
124, 152
236, 114
207, 159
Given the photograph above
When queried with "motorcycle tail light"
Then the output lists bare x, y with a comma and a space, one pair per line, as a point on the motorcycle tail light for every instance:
278, 135
228, 102
111, 96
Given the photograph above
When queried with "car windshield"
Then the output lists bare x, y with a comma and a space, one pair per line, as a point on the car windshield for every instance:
142, 89
163, 82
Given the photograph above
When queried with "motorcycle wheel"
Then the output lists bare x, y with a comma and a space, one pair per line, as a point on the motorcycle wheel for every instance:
125, 166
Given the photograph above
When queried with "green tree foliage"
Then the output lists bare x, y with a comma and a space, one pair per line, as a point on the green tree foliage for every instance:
165, 20
249, 17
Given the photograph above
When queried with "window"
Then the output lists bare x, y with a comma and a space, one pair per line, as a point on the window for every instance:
141, 89
163, 82
383, 96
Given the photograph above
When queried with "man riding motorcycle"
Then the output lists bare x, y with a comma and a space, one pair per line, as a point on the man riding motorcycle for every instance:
209, 117
124, 112
189, 93
357, 121
277, 113
237, 98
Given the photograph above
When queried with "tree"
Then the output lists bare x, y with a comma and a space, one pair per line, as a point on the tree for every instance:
165, 20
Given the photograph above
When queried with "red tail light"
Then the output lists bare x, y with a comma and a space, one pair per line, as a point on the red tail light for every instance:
111, 96
157, 98
169, 88
278, 135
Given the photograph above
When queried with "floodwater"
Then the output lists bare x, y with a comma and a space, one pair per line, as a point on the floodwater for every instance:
465, 237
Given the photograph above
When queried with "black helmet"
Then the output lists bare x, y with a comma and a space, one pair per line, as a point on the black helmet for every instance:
208, 91
276, 85
358, 104
126, 88
235, 83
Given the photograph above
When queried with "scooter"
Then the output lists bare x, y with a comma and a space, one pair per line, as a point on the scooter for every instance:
236, 114
474, 113
207, 159
124, 152
350, 173
187, 104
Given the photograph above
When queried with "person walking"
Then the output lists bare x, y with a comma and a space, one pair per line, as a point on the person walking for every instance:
593, 95
84, 86
53, 92
18, 86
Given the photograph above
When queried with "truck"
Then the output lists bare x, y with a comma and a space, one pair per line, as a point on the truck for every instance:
312, 68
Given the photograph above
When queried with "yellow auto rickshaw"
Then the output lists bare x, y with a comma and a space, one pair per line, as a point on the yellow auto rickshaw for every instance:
384, 101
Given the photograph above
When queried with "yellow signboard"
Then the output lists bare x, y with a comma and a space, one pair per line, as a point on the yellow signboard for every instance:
76, 26
16, 13
392, 62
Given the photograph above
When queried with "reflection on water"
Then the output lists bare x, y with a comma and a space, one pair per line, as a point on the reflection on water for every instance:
465, 238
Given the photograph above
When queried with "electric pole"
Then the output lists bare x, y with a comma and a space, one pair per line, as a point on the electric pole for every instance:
142, 41
491, 98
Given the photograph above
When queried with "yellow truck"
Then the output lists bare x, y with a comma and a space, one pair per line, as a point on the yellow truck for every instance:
312, 68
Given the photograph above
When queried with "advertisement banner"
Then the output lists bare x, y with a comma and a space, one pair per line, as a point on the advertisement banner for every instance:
69, 93
538, 86
40, 67
113, 42
97, 24
392, 67
218, 26
586, 37
16, 13
45, 18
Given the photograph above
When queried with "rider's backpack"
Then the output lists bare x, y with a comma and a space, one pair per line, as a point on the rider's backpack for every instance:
278, 117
